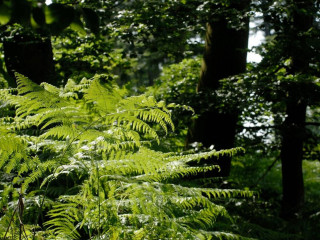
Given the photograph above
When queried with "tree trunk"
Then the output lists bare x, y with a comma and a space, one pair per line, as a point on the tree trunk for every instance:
32, 58
293, 132
25, 51
225, 55
291, 157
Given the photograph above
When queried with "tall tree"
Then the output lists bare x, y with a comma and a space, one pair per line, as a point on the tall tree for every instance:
285, 78
293, 131
225, 56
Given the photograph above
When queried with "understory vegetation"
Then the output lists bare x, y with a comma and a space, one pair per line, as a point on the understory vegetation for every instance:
79, 160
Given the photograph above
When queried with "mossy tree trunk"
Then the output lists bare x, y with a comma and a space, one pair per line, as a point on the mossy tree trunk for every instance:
225, 55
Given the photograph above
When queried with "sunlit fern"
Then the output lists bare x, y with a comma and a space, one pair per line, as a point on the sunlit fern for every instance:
99, 141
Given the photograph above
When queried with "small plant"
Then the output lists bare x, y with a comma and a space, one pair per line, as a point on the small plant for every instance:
79, 160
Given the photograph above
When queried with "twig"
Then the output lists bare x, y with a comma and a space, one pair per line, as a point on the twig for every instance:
277, 126
20, 206
312, 123
265, 173
10, 223
258, 127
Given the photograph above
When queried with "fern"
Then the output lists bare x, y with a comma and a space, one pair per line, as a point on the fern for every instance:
97, 144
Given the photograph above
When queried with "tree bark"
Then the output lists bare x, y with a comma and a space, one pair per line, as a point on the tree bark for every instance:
293, 132
33, 58
225, 55
291, 158
25, 51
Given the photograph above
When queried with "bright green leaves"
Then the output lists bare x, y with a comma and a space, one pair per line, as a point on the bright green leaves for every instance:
64, 215
5, 12
135, 113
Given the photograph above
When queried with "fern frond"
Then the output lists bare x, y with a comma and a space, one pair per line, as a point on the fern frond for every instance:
35, 97
205, 155
64, 217
39, 172
99, 144
104, 96
68, 114
156, 116
12, 150
50, 88
62, 131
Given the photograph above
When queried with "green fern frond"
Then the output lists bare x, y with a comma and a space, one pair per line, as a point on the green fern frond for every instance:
205, 155
12, 150
132, 123
157, 116
68, 114
38, 173
64, 217
50, 88
100, 145
103, 96
63, 132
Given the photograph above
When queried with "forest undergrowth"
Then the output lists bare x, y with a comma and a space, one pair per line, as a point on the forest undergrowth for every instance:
78, 163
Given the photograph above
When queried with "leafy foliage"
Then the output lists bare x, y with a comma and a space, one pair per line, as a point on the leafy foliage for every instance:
77, 56
51, 18
82, 152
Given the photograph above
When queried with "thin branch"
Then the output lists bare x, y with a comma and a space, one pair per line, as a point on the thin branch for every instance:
259, 127
75, 2
15, 210
275, 126
312, 123
265, 173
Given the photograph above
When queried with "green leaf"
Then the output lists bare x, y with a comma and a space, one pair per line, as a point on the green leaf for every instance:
5, 13
77, 26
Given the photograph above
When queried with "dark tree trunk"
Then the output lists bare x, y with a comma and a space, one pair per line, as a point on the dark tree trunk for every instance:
293, 132
25, 51
225, 55
291, 157
32, 58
